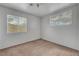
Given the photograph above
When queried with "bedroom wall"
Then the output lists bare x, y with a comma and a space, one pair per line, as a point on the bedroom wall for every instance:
11, 39
67, 36
63, 35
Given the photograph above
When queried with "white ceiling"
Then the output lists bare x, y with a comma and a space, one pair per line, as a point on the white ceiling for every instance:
44, 9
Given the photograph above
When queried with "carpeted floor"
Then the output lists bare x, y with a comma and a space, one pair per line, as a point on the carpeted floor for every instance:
38, 48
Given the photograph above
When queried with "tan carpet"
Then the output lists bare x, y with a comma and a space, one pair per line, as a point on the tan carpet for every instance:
38, 48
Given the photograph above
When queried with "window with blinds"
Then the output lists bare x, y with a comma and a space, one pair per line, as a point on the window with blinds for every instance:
16, 24
62, 19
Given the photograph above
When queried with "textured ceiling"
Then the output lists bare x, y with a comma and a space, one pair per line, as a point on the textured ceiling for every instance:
44, 8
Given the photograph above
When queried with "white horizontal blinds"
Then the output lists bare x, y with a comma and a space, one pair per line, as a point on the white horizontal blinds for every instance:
16, 24
64, 18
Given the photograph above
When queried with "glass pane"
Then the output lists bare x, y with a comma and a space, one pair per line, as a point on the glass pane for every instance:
16, 24
62, 19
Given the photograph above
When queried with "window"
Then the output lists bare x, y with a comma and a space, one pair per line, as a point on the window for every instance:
16, 24
64, 18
